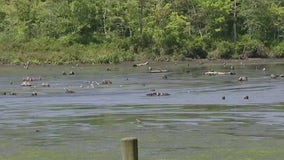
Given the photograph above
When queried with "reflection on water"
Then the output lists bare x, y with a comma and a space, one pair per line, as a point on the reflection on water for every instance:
194, 122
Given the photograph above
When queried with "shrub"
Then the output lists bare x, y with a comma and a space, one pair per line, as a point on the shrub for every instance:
196, 49
108, 58
224, 49
251, 48
127, 56
178, 57
278, 50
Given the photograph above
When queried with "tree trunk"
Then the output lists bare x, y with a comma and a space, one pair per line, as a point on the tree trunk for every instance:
235, 21
141, 17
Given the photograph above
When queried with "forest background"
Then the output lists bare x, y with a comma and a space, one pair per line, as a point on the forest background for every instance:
114, 31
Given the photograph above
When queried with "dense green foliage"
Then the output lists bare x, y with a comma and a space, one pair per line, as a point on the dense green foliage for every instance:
112, 31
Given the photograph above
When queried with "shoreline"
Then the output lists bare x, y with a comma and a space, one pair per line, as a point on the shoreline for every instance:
249, 61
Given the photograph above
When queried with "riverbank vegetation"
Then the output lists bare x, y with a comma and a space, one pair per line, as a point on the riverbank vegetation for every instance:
108, 31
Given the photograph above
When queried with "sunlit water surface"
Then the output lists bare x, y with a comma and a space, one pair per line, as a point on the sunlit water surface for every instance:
194, 122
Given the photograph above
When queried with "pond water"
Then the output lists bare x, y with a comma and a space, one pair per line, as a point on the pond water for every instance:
193, 122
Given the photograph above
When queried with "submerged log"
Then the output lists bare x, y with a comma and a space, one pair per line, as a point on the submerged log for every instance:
26, 84
158, 94
34, 93
243, 78
67, 90
274, 76
106, 81
9, 93
44, 84
71, 73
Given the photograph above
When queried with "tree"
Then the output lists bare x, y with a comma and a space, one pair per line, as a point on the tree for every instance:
175, 33
254, 14
191, 28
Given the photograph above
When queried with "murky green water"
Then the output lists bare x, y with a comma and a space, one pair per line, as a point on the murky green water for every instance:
193, 123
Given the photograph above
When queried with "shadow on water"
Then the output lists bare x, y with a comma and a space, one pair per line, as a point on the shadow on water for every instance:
194, 122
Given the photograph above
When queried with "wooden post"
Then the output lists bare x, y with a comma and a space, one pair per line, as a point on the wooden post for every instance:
129, 146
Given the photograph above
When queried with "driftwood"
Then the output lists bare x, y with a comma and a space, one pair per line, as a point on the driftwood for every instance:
158, 71
213, 73
32, 78
140, 64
